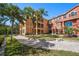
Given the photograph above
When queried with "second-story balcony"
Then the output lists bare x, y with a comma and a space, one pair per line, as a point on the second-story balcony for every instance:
70, 18
39, 21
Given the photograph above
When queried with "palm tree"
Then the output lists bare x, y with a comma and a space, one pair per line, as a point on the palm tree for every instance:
29, 13
13, 14
38, 14
35, 15
3, 7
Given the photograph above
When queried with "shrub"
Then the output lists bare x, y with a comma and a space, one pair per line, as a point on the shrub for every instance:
1, 40
55, 36
69, 30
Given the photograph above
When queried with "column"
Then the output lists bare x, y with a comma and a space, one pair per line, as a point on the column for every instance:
63, 27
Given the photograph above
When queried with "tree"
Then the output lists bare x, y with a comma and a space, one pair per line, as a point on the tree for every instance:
3, 17
11, 13
35, 15
38, 14
4, 29
29, 14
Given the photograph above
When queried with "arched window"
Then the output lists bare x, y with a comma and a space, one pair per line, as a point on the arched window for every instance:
68, 23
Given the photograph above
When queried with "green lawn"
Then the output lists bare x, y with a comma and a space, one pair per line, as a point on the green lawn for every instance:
18, 49
43, 36
52, 37
71, 38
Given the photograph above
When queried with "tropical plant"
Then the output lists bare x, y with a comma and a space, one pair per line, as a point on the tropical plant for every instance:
4, 29
28, 12
35, 15
69, 30
38, 14
12, 13
76, 29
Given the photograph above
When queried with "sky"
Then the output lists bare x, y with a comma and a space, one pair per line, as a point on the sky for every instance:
53, 9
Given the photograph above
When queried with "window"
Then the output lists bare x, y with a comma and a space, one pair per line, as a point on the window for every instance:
38, 24
68, 23
42, 25
33, 20
69, 15
38, 31
59, 18
64, 16
73, 13
41, 31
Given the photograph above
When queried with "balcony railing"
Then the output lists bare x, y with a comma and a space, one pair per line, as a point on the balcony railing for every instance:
70, 18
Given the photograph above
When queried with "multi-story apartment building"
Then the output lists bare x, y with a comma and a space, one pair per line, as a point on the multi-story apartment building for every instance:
29, 27
68, 19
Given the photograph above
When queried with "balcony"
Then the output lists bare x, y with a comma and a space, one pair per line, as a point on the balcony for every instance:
70, 18
39, 20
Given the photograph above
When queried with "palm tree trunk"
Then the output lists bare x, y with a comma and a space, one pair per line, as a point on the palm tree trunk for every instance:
5, 33
12, 31
36, 26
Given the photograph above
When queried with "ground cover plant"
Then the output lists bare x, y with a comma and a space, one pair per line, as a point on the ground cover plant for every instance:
16, 48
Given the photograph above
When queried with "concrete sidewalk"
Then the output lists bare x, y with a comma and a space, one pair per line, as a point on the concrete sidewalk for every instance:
52, 45
20, 37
